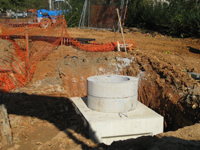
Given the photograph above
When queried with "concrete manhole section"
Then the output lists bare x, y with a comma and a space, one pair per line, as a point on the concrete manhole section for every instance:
112, 112
113, 93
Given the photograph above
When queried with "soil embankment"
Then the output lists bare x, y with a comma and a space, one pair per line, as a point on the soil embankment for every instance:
42, 116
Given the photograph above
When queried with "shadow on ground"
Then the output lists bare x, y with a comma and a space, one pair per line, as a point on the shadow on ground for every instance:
56, 110
60, 112
193, 50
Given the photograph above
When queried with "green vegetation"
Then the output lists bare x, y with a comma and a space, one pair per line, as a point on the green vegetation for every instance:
23, 4
73, 17
178, 18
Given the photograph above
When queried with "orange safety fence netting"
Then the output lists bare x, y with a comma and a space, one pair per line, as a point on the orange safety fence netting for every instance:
46, 35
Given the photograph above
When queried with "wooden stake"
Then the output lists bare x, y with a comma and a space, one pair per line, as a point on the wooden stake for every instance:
118, 46
5, 123
114, 31
121, 29
62, 30
27, 48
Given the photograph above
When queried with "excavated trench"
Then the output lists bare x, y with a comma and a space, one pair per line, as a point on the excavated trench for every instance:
163, 87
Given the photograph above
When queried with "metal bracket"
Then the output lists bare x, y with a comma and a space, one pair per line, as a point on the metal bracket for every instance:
123, 113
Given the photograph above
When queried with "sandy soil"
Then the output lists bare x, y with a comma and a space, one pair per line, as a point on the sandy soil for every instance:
42, 116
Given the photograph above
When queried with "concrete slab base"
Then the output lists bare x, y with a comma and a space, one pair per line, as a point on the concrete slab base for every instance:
109, 127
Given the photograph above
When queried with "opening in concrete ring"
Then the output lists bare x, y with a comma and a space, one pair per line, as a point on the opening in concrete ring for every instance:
110, 78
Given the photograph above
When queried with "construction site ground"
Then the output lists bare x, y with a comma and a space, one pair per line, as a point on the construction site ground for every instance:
42, 116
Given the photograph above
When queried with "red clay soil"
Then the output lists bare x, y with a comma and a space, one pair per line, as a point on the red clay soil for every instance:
42, 116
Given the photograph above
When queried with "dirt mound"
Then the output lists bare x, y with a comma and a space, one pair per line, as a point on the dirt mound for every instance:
66, 69
168, 89
163, 141
165, 86
46, 122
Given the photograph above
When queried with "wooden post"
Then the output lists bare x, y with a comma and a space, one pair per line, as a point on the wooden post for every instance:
5, 123
118, 46
62, 30
121, 29
27, 59
115, 31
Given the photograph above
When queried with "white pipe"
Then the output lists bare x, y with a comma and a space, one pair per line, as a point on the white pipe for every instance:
50, 2
61, 1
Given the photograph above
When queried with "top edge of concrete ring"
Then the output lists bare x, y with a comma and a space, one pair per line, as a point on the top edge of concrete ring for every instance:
112, 86
104, 79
